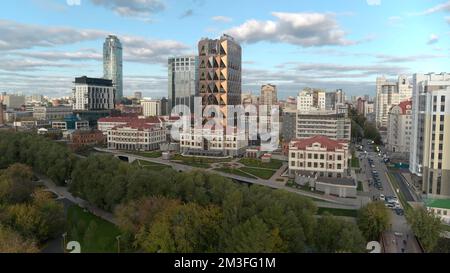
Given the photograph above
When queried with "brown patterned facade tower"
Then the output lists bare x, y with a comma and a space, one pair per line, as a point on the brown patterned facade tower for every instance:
220, 69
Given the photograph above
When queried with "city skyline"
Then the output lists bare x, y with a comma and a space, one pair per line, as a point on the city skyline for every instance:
292, 45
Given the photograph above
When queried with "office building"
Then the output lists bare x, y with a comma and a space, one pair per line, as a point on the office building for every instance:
390, 93
51, 113
183, 81
93, 94
138, 95
333, 125
113, 65
399, 128
269, 95
311, 99
13, 101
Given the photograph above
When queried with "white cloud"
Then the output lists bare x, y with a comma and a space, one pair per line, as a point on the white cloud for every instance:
444, 7
222, 19
132, 8
303, 29
433, 39
373, 2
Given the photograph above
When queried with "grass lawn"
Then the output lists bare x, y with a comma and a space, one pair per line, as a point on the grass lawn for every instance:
261, 173
234, 171
153, 154
360, 186
93, 233
355, 162
199, 162
338, 212
256, 163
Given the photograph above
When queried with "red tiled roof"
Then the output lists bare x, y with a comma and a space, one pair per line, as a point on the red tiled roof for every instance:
405, 106
138, 124
324, 141
128, 119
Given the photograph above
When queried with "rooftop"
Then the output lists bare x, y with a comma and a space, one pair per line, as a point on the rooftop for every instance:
324, 142
128, 119
438, 203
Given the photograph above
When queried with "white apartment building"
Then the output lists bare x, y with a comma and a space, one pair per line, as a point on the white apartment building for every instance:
136, 136
390, 93
213, 142
320, 155
326, 123
93, 94
399, 128
311, 99
151, 108
425, 87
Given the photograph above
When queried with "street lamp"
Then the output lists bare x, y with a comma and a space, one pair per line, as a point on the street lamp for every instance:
64, 241
118, 243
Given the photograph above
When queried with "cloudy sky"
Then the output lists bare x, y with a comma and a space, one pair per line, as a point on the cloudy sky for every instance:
345, 44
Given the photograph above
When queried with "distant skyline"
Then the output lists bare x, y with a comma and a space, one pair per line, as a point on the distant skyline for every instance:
342, 44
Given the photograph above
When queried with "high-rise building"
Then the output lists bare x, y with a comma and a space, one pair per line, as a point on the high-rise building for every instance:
2, 115
93, 94
13, 101
220, 83
249, 98
334, 99
183, 81
430, 123
268, 95
399, 128
151, 108
112, 64
138, 95
390, 93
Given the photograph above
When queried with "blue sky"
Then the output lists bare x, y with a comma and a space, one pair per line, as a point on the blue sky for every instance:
345, 44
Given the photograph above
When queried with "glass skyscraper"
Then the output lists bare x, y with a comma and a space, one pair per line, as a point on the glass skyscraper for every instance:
183, 81
112, 64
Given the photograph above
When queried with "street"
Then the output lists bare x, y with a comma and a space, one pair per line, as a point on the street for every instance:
400, 232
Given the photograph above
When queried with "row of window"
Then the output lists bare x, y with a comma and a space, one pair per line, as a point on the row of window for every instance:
316, 156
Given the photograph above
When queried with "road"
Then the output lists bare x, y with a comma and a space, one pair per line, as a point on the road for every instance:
400, 230
346, 203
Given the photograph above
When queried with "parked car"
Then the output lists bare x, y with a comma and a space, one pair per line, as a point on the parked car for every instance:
382, 197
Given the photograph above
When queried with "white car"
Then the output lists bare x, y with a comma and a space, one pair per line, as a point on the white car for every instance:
382, 197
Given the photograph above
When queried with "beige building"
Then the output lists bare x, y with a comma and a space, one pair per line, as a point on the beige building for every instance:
390, 93
319, 155
105, 124
399, 128
311, 99
151, 108
325, 123
137, 136
51, 113
269, 95
436, 144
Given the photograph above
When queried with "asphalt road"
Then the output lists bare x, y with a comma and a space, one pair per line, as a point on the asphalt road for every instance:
400, 231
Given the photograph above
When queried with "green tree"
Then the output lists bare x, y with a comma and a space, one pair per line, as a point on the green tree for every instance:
16, 184
13, 242
373, 220
426, 226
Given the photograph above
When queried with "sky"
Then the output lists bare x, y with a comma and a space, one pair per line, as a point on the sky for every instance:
330, 44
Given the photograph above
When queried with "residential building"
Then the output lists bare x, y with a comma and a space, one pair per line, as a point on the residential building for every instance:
151, 108
333, 99
130, 109
390, 93
425, 88
288, 125
249, 98
136, 135
51, 113
436, 142
13, 101
2, 114
269, 95
326, 123
93, 94
399, 128
183, 81
83, 138
113, 64
311, 99
319, 155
